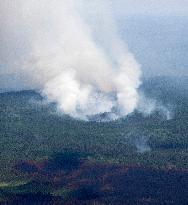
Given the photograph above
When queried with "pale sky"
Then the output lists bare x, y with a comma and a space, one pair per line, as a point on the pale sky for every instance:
151, 7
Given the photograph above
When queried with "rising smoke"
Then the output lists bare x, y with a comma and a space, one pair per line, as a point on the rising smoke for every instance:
73, 56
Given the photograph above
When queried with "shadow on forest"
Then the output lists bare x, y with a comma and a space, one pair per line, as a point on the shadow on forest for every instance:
66, 178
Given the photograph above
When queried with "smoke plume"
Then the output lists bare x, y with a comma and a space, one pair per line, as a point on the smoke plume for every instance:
73, 56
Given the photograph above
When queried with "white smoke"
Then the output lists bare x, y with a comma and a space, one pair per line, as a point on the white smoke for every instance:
149, 106
75, 58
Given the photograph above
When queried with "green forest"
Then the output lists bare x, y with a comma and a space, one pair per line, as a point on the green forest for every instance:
33, 131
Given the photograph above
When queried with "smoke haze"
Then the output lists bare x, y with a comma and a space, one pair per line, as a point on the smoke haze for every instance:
75, 58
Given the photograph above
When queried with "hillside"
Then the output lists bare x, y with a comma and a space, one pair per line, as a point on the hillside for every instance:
39, 147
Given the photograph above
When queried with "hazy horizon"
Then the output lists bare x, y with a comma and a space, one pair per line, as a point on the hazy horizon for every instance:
90, 56
145, 36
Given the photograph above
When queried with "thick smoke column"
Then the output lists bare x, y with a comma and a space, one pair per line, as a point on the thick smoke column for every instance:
75, 58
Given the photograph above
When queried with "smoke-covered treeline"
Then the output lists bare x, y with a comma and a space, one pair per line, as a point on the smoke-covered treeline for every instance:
74, 57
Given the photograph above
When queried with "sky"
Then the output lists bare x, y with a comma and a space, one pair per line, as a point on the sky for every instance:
160, 46
151, 7
156, 32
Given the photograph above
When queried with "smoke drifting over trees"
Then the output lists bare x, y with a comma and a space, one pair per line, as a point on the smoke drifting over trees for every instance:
75, 58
